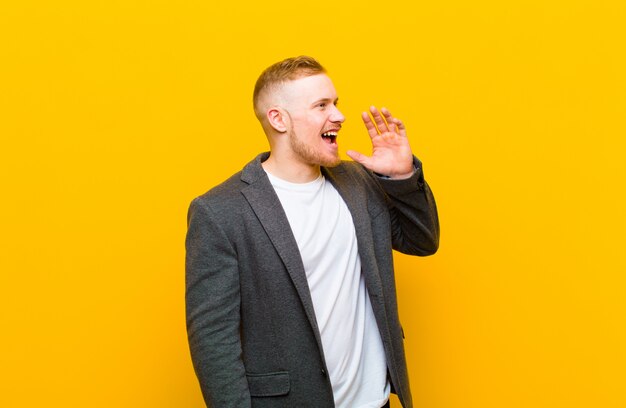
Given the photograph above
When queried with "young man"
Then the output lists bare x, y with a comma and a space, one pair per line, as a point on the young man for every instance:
291, 298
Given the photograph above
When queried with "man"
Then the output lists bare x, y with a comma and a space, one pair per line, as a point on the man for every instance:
291, 299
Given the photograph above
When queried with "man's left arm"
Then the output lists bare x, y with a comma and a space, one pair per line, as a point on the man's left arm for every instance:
414, 219
413, 211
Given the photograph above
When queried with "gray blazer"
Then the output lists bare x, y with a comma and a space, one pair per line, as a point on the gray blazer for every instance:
252, 331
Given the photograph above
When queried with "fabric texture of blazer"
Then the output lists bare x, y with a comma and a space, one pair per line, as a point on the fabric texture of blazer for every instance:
251, 325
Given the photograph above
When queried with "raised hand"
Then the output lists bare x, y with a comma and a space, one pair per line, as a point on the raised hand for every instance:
391, 153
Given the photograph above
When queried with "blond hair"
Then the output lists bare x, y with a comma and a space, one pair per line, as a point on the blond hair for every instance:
283, 71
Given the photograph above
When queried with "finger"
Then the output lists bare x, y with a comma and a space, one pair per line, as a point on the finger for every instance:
369, 125
359, 158
399, 125
388, 116
378, 118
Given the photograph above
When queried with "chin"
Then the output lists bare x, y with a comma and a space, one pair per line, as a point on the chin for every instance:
330, 162
312, 154
333, 163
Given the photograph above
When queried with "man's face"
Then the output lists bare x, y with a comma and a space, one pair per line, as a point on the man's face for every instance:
314, 120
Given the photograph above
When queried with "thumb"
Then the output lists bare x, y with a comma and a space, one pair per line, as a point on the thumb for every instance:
359, 158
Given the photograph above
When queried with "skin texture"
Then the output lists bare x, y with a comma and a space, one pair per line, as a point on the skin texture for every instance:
391, 152
299, 111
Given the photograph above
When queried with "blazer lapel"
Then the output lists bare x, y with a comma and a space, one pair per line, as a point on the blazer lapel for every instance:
267, 207
356, 200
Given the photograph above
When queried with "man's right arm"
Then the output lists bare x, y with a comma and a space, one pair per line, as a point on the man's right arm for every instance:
213, 310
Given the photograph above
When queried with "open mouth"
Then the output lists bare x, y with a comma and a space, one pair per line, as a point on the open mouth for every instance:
330, 137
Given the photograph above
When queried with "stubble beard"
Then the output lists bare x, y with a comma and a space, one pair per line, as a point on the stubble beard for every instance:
309, 155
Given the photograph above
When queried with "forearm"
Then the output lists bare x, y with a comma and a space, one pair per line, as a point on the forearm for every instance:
413, 212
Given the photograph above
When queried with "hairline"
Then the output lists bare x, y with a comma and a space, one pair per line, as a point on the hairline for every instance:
274, 85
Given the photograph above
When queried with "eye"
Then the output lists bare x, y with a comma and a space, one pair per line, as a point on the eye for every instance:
322, 104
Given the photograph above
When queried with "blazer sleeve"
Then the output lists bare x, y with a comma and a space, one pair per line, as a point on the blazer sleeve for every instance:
413, 212
213, 310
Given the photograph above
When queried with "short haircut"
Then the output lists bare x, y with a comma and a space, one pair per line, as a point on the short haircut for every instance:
281, 72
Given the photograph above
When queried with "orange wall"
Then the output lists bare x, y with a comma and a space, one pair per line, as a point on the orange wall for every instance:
114, 115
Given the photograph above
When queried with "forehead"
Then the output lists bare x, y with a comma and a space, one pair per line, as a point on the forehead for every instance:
310, 89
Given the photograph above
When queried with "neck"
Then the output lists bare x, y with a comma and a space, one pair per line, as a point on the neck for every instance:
294, 172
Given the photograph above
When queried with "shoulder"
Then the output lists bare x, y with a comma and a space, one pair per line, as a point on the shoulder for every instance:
351, 167
226, 191
228, 194
353, 175
225, 204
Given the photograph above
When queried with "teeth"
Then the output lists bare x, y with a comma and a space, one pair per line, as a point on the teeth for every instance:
329, 134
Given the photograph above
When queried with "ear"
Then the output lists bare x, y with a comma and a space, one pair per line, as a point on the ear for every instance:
278, 119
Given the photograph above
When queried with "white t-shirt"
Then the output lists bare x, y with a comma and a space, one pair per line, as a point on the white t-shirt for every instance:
324, 232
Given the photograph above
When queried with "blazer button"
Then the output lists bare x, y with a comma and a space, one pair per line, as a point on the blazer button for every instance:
323, 372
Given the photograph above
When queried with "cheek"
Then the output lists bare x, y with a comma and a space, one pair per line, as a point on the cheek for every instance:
310, 127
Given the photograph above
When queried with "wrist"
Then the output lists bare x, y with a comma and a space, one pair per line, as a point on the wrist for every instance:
400, 176
403, 176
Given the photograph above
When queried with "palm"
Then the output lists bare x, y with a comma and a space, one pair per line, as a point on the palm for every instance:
391, 152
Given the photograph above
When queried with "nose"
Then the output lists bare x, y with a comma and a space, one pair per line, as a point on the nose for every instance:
336, 116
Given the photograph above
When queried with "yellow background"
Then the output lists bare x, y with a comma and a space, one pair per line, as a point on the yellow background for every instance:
115, 114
